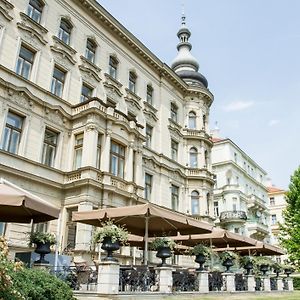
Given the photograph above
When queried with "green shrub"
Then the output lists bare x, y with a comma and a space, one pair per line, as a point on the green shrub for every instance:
296, 281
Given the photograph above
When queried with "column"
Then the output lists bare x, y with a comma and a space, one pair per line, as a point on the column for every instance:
83, 231
203, 285
229, 282
105, 157
89, 146
250, 283
108, 277
129, 163
139, 176
165, 281
279, 284
266, 284
290, 284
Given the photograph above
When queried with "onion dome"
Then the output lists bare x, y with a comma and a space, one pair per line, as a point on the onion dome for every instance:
185, 64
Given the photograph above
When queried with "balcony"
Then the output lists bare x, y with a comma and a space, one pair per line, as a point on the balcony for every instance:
233, 216
257, 228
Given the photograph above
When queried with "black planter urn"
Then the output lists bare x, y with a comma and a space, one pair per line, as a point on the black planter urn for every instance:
227, 263
110, 247
200, 259
248, 267
288, 272
264, 269
163, 253
277, 272
42, 249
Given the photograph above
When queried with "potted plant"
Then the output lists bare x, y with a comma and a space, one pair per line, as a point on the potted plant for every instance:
164, 247
227, 259
43, 241
247, 263
111, 236
263, 263
202, 252
288, 269
277, 268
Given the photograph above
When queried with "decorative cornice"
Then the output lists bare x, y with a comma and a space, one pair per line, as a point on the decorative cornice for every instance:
36, 25
32, 32
5, 6
90, 72
60, 44
63, 54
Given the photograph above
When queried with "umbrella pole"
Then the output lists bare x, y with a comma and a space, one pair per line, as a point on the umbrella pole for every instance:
146, 241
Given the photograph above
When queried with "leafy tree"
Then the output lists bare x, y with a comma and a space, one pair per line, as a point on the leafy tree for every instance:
290, 229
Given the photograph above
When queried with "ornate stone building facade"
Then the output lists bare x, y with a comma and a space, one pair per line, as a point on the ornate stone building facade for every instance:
91, 118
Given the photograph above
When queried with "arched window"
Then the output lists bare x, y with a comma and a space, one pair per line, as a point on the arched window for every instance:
192, 120
64, 33
193, 157
208, 202
206, 159
34, 10
195, 203
204, 122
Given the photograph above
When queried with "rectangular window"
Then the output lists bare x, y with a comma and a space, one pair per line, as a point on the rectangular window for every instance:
148, 186
117, 159
274, 220
64, 32
149, 94
49, 148
71, 229
25, 62
98, 157
41, 227
113, 67
235, 157
174, 150
86, 93
272, 201
174, 112
90, 50
34, 10
174, 197
195, 206
132, 82
216, 208
78, 151
149, 130
2, 228
12, 133
58, 81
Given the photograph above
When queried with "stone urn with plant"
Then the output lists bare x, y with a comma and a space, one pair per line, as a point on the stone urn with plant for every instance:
247, 263
288, 269
227, 259
202, 253
42, 241
164, 247
111, 236
263, 264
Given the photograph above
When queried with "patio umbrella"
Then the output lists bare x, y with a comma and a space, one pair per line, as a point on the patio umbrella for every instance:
146, 220
20, 206
220, 238
260, 248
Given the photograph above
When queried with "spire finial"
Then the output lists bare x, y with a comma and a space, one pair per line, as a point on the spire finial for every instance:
183, 14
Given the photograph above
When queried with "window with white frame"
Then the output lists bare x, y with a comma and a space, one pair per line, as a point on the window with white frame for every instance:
148, 186
41, 227
192, 120
193, 157
174, 112
174, 197
25, 62
132, 82
149, 131
149, 97
35, 9
90, 50
78, 147
64, 32
117, 159
86, 92
58, 81
272, 201
195, 203
49, 147
274, 219
216, 208
113, 67
12, 133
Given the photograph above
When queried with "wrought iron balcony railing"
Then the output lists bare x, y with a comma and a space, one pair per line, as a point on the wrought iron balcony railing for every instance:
233, 215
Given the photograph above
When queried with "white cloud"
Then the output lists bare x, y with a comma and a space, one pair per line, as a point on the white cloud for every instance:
238, 105
273, 123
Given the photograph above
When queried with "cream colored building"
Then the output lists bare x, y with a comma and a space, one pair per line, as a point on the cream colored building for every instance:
240, 195
91, 118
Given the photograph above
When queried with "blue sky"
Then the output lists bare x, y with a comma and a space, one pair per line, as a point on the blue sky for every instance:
249, 50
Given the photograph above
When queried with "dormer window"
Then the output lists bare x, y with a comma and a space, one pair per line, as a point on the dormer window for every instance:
113, 67
132, 82
34, 10
90, 50
64, 33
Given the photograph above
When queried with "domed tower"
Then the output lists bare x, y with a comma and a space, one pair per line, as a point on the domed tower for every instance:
185, 64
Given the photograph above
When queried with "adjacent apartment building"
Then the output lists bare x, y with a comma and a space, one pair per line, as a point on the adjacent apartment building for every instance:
240, 195
91, 118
